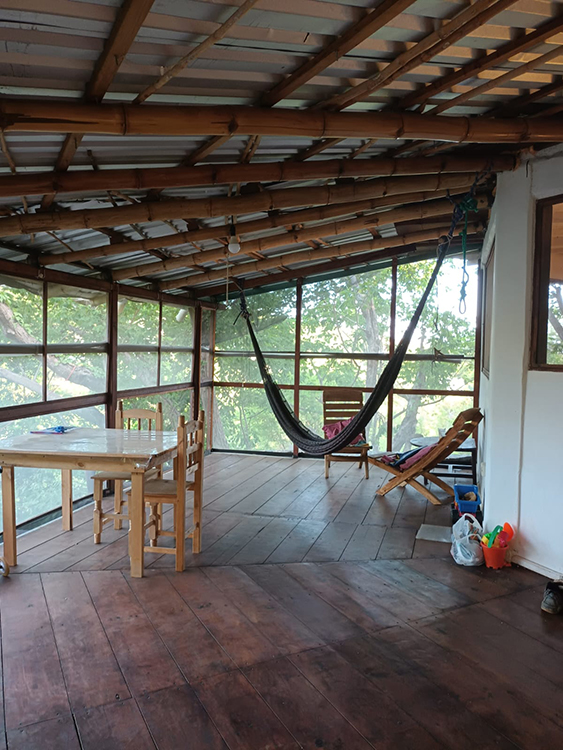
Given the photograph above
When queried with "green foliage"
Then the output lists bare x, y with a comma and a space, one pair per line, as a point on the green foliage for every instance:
349, 315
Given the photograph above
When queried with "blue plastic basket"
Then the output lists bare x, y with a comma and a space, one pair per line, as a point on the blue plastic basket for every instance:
467, 506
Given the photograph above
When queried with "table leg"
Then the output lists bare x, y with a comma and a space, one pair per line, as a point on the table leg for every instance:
9, 515
66, 482
137, 523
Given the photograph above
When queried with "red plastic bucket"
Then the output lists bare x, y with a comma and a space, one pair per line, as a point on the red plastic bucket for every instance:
495, 557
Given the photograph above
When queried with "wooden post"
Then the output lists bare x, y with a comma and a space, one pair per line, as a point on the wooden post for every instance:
9, 515
111, 405
66, 486
297, 361
196, 365
392, 326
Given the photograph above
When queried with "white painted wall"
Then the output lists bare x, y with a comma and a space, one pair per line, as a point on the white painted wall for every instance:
522, 436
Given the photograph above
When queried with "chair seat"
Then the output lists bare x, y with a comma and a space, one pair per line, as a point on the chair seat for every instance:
107, 476
163, 488
354, 449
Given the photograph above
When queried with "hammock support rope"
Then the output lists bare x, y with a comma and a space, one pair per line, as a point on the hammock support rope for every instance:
296, 431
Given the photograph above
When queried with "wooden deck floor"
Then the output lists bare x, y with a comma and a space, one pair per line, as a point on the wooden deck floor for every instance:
262, 509
343, 654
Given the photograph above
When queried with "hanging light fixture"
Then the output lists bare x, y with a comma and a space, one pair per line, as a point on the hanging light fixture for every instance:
234, 244
180, 317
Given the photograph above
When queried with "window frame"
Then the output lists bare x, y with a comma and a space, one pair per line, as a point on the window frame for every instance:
540, 284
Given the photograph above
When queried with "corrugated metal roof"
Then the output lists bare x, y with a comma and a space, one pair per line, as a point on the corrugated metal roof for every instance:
50, 49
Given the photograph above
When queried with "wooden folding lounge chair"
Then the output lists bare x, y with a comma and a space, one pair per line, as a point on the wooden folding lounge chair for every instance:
461, 429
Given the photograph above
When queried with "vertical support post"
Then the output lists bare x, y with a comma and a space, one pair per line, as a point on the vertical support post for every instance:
9, 515
392, 327
159, 353
111, 404
297, 359
210, 411
196, 365
66, 485
44, 334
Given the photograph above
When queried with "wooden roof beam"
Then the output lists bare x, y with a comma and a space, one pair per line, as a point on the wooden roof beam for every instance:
332, 251
83, 181
24, 115
452, 31
321, 214
268, 200
129, 20
437, 208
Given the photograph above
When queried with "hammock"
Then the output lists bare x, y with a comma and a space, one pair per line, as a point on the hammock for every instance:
296, 431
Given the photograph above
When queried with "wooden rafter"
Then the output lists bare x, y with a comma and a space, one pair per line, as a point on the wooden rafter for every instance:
519, 102
498, 81
375, 20
129, 20
150, 178
474, 68
268, 200
22, 115
273, 220
382, 14
332, 251
183, 62
452, 31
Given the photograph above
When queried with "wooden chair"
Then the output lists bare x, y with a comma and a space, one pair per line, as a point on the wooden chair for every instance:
188, 477
462, 428
128, 419
339, 404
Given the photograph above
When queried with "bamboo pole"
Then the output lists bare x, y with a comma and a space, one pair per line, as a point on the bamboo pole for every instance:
287, 259
183, 62
371, 221
452, 31
212, 233
21, 115
85, 181
472, 69
335, 228
268, 200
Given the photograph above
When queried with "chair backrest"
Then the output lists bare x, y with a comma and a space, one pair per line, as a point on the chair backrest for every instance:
463, 427
341, 403
189, 462
140, 419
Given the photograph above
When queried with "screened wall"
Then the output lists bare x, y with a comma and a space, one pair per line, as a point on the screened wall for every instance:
340, 333
68, 354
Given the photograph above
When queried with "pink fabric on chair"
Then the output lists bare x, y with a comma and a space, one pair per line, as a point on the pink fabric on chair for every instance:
417, 456
335, 428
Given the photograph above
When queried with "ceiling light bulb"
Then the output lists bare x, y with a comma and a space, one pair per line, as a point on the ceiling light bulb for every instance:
233, 246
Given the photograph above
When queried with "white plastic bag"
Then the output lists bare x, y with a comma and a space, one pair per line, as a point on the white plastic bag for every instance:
466, 541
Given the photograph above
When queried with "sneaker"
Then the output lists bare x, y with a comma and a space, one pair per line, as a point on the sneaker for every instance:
553, 598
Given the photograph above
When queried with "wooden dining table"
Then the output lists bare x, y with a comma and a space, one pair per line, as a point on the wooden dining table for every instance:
86, 449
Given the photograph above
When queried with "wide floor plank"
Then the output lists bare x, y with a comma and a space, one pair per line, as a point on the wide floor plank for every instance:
176, 719
142, 657
245, 721
91, 672
309, 716
196, 652
34, 688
